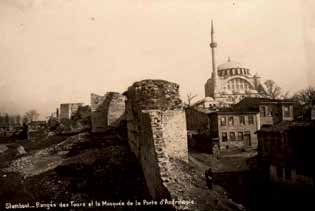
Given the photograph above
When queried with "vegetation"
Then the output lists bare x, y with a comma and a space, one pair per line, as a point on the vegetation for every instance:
274, 91
31, 115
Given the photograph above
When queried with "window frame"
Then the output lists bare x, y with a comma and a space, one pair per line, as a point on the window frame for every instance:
231, 123
240, 134
224, 136
250, 119
223, 121
232, 137
242, 120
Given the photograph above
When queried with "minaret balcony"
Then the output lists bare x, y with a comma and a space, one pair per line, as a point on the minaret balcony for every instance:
213, 45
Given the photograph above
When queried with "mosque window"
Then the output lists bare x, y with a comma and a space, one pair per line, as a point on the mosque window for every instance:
231, 72
229, 86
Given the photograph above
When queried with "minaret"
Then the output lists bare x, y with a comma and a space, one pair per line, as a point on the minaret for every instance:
213, 45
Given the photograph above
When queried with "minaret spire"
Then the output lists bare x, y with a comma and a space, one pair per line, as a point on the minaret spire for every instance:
213, 45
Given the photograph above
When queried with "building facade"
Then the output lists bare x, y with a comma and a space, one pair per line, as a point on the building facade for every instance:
286, 152
271, 111
234, 129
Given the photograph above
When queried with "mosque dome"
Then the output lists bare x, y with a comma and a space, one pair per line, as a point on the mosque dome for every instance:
232, 68
231, 65
208, 99
252, 91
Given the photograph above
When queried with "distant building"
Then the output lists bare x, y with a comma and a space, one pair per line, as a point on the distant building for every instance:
230, 82
68, 109
286, 151
308, 111
234, 129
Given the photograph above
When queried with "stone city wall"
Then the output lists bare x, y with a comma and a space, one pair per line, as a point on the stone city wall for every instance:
107, 110
157, 132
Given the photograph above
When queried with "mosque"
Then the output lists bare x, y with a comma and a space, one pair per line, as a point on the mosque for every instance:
230, 82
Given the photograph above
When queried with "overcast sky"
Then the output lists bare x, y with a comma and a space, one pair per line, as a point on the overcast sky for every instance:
59, 51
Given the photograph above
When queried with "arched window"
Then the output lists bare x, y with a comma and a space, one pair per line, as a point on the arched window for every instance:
238, 83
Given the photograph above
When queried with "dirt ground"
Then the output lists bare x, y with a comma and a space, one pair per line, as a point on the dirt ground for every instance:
87, 168
80, 168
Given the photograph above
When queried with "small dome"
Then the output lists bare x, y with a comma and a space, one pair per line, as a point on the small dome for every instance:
208, 99
230, 65
252, 91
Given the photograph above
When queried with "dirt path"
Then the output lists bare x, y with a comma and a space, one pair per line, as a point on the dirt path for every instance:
200, 166
40, 161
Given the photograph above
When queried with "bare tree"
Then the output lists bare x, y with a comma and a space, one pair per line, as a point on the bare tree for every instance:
6, 119
190, 97
30, 116
285, 95
305, 96
273, 90
18, 119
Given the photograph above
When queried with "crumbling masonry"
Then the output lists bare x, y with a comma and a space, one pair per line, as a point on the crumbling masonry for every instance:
156, 131
107, 110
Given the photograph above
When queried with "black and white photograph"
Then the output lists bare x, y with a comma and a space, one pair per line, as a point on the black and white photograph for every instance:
196, 105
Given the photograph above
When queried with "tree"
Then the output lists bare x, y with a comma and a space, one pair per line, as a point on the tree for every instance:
273, 91
30, 116
18, 119
6, 119
305, 96
190, 97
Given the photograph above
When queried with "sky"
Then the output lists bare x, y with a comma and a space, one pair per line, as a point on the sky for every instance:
60, 51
